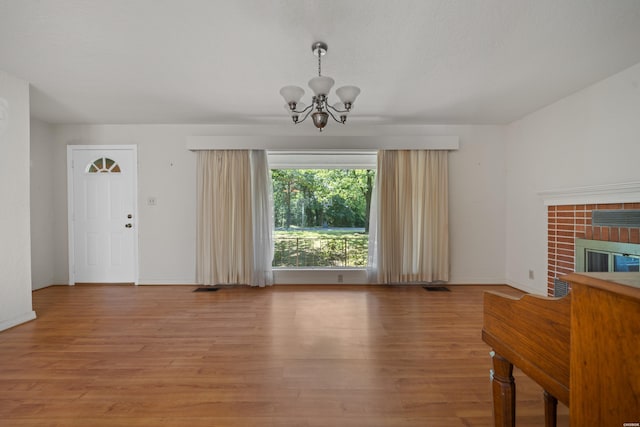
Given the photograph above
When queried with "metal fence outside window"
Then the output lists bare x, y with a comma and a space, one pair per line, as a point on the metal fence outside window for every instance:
320, 252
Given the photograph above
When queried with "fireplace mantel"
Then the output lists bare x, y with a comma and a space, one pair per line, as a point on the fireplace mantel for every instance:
625, 192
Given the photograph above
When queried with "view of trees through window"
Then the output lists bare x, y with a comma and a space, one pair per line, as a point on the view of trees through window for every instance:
321, 217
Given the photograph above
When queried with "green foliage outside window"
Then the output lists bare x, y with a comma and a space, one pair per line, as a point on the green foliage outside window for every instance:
310, 198
321, 217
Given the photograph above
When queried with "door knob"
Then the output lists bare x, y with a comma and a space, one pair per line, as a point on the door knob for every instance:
129, 216
128, 225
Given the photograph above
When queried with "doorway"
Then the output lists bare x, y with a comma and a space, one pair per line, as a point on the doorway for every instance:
102, 193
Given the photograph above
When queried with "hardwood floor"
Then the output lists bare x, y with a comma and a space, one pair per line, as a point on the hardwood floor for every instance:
283, 356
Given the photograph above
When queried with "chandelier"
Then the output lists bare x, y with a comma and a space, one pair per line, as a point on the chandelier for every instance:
319, 109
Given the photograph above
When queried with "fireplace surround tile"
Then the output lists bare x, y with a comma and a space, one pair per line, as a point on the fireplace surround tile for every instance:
565, 223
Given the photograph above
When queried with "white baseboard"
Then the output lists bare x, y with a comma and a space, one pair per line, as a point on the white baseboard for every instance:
30, 315
351, 277
167, 282
37, 288
527, 288
475, 280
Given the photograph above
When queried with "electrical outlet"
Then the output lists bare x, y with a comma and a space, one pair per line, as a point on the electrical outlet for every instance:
339, 278
530, 274
152, 201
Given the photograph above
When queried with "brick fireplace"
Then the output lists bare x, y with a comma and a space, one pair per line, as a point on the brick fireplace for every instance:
566, 223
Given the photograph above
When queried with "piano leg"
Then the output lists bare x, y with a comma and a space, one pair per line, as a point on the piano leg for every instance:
504, 392
550, 410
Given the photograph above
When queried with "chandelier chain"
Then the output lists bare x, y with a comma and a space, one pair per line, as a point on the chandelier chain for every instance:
319, 63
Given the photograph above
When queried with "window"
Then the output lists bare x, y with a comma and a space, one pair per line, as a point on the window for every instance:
321, 217
103, 165
321, 208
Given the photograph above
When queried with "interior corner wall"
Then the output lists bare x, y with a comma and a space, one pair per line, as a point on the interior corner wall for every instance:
167, 172
42, 202
589, 138
15, 251
477, 206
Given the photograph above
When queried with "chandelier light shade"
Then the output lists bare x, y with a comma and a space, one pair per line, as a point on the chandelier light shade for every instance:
292, 94
348, 94
319, 109
321, 85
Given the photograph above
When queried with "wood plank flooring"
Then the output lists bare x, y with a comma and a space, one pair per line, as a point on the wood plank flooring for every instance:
312, 356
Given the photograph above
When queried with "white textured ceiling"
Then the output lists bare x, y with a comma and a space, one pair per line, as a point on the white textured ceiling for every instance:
204, 61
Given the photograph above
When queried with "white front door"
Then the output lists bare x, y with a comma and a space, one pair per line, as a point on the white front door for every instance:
103, 214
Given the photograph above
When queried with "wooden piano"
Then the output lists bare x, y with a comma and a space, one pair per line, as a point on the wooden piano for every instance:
583, 349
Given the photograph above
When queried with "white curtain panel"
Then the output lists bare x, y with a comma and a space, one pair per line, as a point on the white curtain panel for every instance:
412, 229
372, 253
234, 218
262, 211
224, 218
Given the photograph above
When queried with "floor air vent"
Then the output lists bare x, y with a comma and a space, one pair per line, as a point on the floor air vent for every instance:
436, 288
560, 288
206, 289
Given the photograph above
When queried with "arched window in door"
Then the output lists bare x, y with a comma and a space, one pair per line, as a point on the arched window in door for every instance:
103, 165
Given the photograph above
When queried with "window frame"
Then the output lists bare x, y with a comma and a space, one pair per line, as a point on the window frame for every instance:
322, 159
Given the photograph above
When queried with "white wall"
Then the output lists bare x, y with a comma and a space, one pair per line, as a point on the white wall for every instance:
587, 139
167, 172
477, 206
15, 251
42, 202
498, 217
